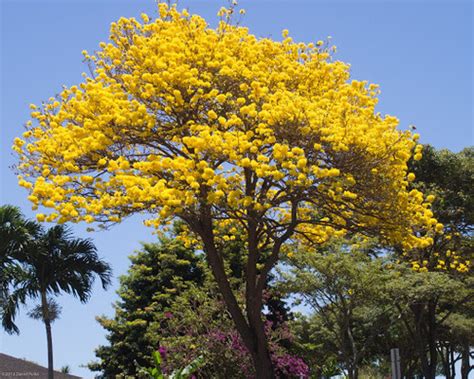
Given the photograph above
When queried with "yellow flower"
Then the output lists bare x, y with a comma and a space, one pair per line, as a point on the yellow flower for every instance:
212, 115
221, 98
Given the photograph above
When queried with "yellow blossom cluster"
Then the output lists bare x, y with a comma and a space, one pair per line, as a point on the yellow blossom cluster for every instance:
451, 262
178, 116
445, 253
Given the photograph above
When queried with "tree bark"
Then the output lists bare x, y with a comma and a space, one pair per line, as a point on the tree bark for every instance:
452, 362
432, 339
355, 356
254, 303
465, 361
420, 343
425, 339
444, 352
251, 331
49, 338
261, 354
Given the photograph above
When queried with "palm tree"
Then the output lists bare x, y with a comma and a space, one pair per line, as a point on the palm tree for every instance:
15, 234
51, 263
15, 230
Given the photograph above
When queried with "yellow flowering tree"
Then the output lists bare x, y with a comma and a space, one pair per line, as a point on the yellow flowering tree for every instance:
447, 178
231, 134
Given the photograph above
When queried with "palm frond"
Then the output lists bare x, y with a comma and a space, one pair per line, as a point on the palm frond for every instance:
51, 313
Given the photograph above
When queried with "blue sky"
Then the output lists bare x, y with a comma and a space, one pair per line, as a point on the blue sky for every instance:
419, 52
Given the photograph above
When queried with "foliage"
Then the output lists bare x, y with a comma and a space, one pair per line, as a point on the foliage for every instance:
154, 125
158, 274
155, 372
15, 231
189, 369
55, 262
184, 373
425, 303
345, 289
65, 369
51, 311
424, 296
362, 306
197, 323
49, 262
448, 176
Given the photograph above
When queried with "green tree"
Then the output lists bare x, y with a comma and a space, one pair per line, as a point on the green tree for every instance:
51, 263
344, 287
158, 273
426, 301
449, 177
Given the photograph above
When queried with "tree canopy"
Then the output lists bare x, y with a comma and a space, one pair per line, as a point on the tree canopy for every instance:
226, 132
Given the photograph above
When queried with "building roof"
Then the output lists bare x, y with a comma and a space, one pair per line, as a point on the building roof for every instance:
15, 367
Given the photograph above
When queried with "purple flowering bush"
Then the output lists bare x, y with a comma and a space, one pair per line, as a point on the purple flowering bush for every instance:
197, 324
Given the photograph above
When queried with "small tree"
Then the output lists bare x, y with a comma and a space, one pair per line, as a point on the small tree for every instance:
223, 130
50, 264
159, 272
345, 288
65, 369
15, 233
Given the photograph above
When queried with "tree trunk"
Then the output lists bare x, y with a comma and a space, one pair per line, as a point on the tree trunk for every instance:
432, 339
252, 331
422, 353
355, 353
447, 366
262, 361
452, 362
443, 351
465, 361
425, 340
49, 338
261, 354
254, 304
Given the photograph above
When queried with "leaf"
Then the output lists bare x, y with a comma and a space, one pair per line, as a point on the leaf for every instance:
157, 358
185, 372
